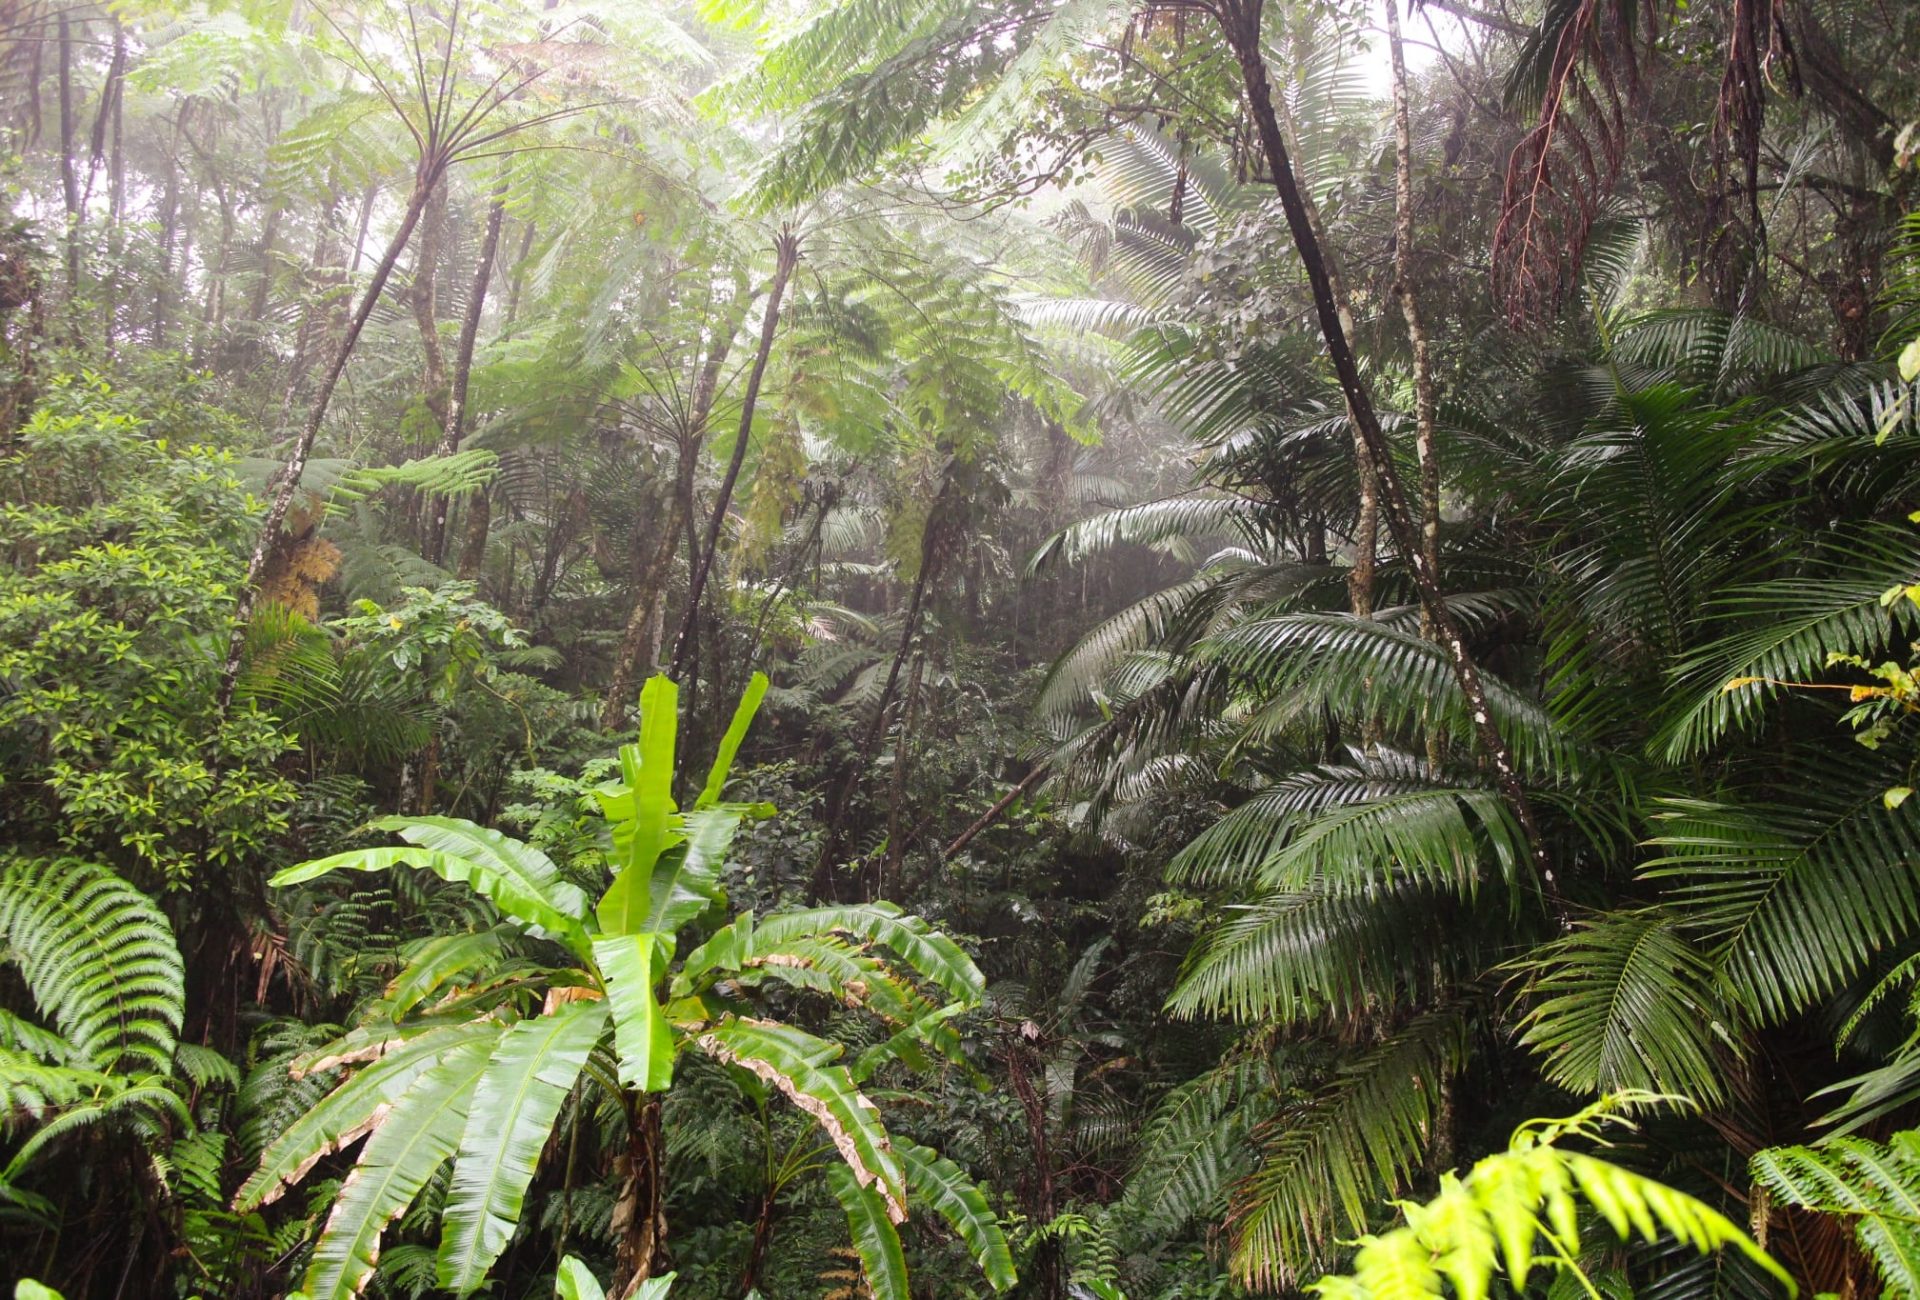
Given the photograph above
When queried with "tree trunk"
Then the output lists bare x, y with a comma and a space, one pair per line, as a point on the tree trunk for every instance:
463, 360
69, 179
836, 811
1423, 391
473, 552
897, 795
639, 1223
116, 201
1240, 24
786, 249
169, 229
424, 300
644, 623
288, 480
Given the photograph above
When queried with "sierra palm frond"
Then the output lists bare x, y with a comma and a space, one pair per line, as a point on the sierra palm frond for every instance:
1626, 1001
1325, 1163
1793, 897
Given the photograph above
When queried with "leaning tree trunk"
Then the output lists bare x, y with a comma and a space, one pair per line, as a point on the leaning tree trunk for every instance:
1240, 25
463, 361
786, 249
931, 549
287, 483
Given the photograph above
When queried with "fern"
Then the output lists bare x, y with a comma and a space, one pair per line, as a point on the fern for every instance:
98, 957
1875, 1188
1520, 1209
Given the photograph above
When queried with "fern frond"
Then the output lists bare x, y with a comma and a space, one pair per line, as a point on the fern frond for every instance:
99, 958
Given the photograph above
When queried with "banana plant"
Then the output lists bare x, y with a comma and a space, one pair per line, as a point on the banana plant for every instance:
474, 1050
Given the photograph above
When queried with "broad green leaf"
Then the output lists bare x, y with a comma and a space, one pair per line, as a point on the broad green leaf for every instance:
432, 963
575, 1281
874, 1236
643, 810
642, 1038
409, 1144
945, 1186
730, 743
797, 1063
513, 892
685, 879
533, 1067
501, 854
353, 1109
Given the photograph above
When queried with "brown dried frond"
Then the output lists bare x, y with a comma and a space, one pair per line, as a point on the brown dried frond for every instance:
1562, 172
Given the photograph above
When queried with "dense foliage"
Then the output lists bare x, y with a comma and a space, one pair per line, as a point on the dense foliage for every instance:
904, 648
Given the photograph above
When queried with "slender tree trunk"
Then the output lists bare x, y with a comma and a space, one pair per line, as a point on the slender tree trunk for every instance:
1240, 24
69, 179
116, 201
463, 359
360, 233
424, 300
213, 308
644, 622
35, 67
993, 814
169, 229
519, 273
1423, 390
786, 249
97, 144
1366, 529
931, 549
263, 282
288, 481
897, 796
318, 294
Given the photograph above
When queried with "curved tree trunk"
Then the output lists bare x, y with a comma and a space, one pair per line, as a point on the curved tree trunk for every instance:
1240, 25
786, 249
644, 622
287, 482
